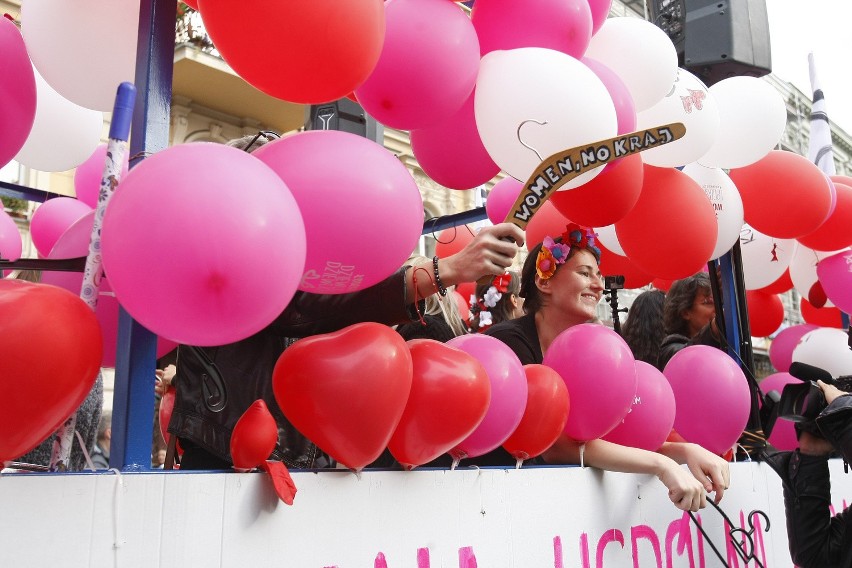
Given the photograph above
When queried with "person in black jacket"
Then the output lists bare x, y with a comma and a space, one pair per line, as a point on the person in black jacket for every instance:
689, 317
817, 539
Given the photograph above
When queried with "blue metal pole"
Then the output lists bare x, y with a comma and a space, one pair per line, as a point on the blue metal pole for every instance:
133, 403
440, 223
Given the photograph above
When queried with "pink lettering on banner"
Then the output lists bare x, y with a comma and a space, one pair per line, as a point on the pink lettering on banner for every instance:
557, 553
584, 550
380, 561
423, 558
612, 535
645, 532
676, 530
467, 559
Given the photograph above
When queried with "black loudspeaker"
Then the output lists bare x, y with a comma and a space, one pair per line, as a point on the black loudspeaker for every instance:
345, 115
717, 39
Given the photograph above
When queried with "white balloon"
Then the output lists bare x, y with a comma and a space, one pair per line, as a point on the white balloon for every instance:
545, 98
764, 258
608, 238
689, 102
827, 349
727, 204
85, 49
64, 134
803, 270
641, 54
752, 119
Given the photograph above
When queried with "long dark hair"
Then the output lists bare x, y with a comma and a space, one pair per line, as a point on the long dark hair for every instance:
503, 310
643, 329
680, 298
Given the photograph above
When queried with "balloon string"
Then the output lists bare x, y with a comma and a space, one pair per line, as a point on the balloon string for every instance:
417, 295
518, 463
455, 463
84, 450
118, 537
582, 454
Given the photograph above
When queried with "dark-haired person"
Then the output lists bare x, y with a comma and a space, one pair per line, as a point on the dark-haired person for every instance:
689, 317
561, 285
497, 300
643, 328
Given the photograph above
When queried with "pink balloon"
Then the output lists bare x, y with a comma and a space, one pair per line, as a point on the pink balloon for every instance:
836, 279
625, 110
203, 244
501, 198
781, 349
783, 434
52, 218
87, 176
508, 394
600, 372
428, 65
600, 11
712, 397
649, 421
362, 209
561, 25
11, 243
17, 91
74, 243
452, 153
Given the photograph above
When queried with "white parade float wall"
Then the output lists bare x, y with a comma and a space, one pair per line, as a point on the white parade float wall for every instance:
487, 518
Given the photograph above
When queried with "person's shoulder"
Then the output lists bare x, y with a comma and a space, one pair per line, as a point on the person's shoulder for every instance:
674, 339
508, 328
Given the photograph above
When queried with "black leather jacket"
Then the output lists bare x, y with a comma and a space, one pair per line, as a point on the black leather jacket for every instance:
816, 538
215, 385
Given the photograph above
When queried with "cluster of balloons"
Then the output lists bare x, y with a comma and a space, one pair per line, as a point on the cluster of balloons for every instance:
362, 389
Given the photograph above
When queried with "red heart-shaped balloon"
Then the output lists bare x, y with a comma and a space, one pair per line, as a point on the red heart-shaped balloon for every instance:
52, 352
545, 415
449, 397
254, 437
346, 390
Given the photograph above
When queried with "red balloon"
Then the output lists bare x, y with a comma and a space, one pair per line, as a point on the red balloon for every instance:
452, 240
167, 405
466, 290
614, 264
463, 306
303, 52
605, 199
784, 194
662, 284
780, 286
450, 394
765, 312
346, 391
547, 222
836, 232
545, 415
672, 230
824, 317
254, 437
52, 345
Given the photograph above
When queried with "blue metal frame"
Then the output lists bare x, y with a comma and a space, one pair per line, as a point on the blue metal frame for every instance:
133, 402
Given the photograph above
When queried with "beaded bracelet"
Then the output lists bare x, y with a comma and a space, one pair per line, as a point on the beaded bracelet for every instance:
440, 285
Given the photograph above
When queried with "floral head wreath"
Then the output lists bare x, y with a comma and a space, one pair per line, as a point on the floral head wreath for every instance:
481, 306
554, 253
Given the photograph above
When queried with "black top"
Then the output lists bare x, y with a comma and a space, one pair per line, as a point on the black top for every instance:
521, 336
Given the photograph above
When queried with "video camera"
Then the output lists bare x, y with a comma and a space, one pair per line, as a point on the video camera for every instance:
802, 402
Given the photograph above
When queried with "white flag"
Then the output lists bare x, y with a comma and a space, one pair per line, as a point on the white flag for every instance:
819, 145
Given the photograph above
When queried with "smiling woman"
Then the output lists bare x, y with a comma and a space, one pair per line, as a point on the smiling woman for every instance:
561, 285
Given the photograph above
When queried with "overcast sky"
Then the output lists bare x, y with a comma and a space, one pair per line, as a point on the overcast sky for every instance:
824, 27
